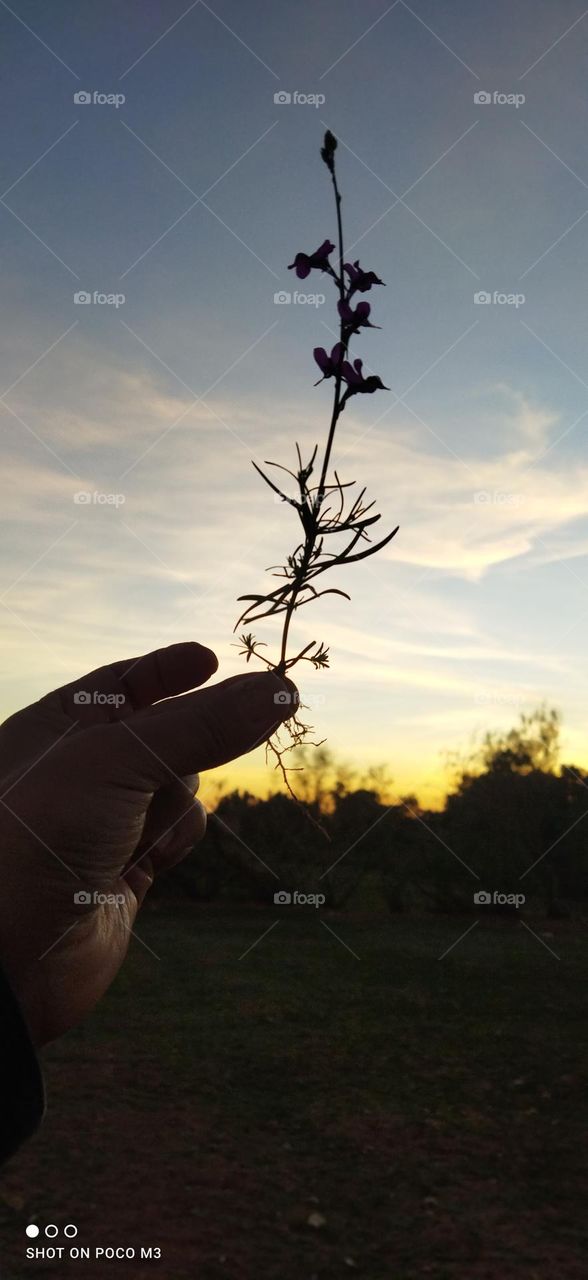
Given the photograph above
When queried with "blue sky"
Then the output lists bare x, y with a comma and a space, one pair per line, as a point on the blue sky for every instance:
190, 198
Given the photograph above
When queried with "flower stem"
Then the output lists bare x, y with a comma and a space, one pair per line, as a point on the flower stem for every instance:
311, 534
338, 379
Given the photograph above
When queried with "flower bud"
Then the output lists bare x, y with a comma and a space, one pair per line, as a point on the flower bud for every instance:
328, 150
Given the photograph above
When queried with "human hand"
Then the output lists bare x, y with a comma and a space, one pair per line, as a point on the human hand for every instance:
97, 797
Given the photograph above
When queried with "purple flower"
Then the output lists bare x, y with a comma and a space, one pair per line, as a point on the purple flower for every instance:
359, 279
352, 373
304, 262
329, 364
358, 318
353, 376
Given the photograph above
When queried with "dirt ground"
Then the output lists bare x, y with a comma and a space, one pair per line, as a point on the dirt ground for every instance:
311, 1115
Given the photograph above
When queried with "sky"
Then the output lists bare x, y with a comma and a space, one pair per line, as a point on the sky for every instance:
178, 187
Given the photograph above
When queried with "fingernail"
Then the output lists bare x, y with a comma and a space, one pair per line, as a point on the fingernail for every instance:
266, 698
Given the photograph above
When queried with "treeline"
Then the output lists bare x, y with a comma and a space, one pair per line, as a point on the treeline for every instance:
513, 824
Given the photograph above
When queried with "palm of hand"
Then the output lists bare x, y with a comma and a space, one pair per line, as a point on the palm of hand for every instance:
74, 822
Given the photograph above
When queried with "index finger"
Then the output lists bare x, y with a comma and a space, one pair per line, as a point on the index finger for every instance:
131, 684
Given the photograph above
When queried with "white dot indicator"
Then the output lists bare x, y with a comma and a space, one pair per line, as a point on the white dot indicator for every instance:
32, 1231
70, 1230
51, 1230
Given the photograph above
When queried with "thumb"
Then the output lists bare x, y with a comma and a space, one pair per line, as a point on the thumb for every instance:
191, 733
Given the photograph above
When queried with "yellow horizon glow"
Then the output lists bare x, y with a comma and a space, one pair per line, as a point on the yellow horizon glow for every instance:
427, 777
430, 785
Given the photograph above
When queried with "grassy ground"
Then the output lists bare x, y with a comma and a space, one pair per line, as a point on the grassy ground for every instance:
305, 1112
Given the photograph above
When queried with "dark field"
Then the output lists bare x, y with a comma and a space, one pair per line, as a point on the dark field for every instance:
431, 1113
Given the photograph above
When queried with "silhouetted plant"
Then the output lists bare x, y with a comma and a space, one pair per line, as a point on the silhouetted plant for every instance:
321, 499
